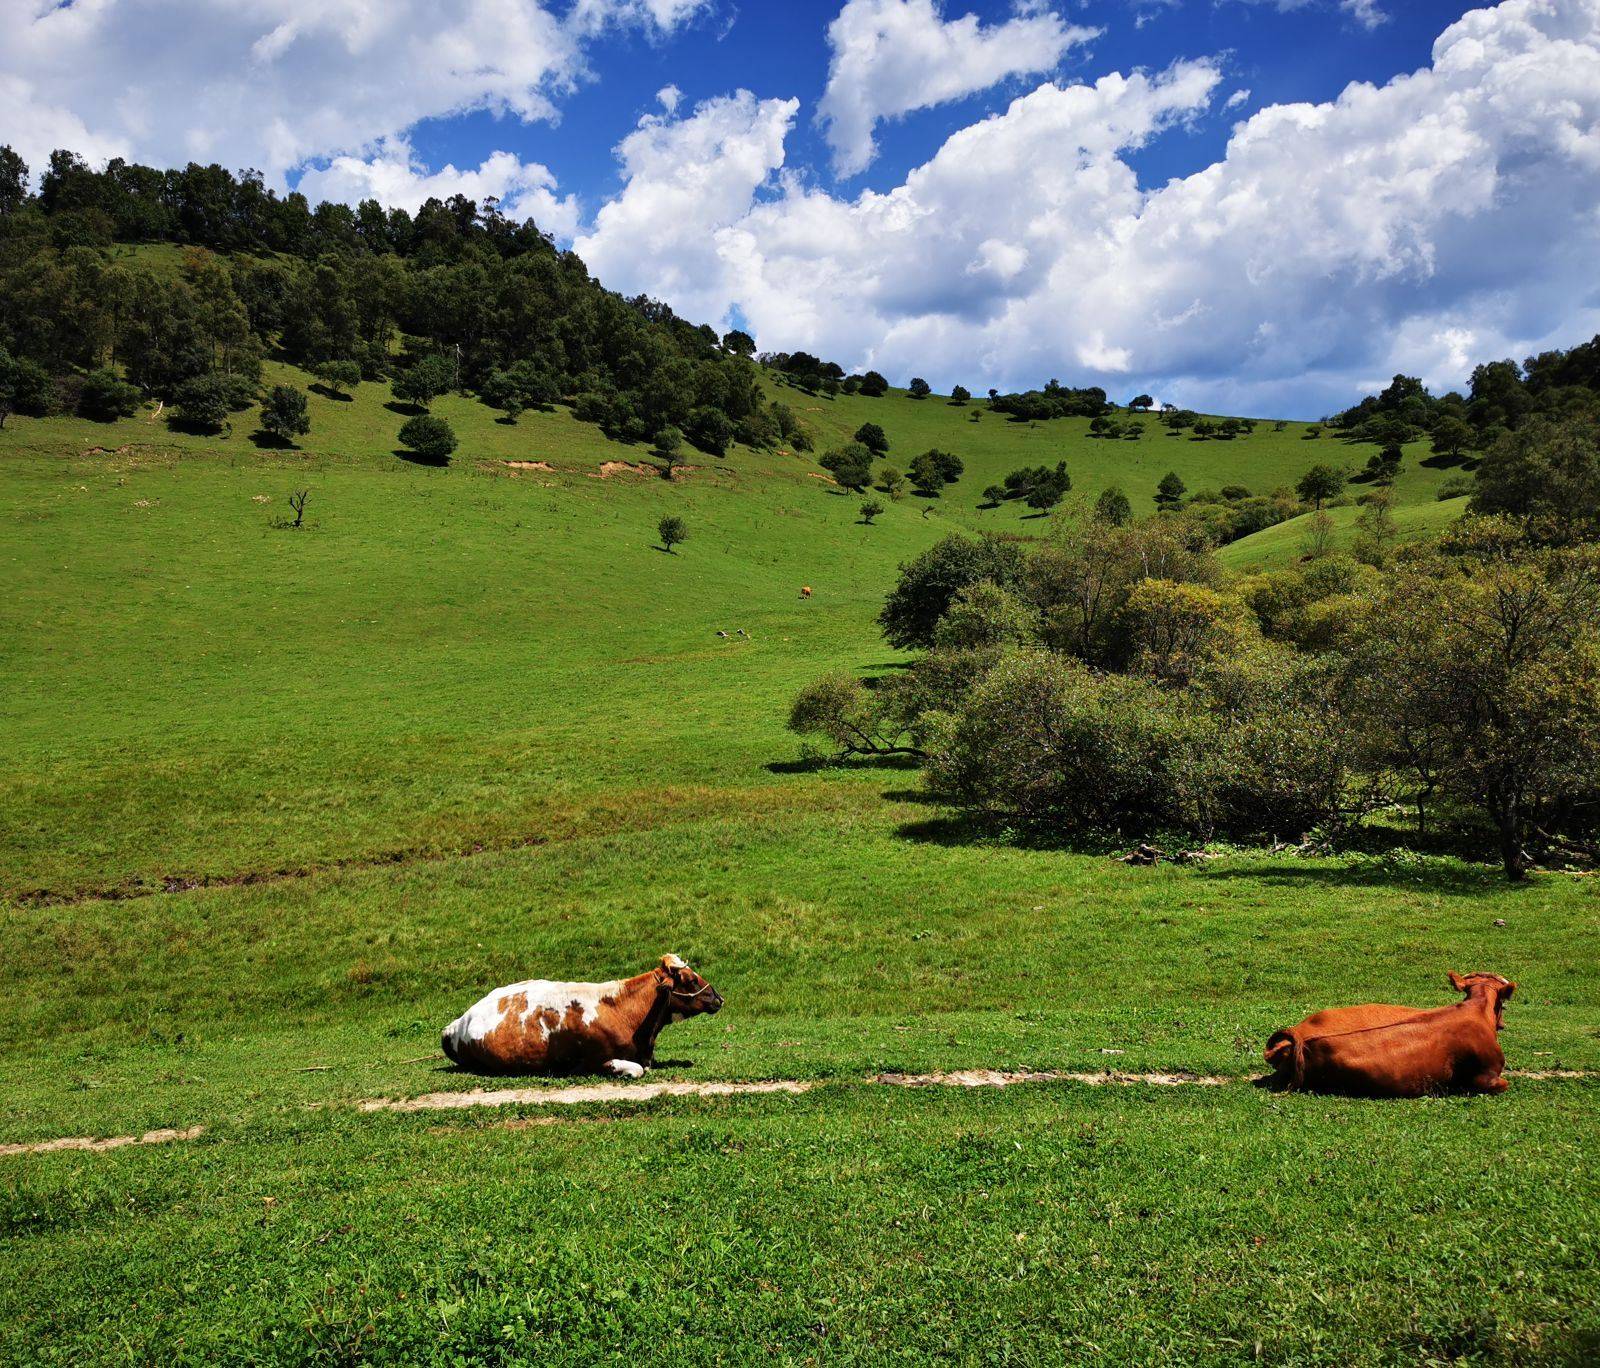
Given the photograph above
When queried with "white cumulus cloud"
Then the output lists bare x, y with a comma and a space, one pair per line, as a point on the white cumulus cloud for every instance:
274, 83
394, 177
685, 179
890, 57
1332, 243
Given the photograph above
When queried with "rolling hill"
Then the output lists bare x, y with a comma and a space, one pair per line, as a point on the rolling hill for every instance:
279, 802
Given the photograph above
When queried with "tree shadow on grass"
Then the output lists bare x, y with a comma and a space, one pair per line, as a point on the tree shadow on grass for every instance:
416, 458
270, 441
404, 410
1434, 876
179, 424
910, 795
328, 392
821, 763
1452, 877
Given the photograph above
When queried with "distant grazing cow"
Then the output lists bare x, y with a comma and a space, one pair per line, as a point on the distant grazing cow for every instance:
1338, 1021
544, 1027
1450, 1049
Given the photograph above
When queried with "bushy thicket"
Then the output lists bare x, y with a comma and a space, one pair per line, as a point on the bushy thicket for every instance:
455, 297
1111, 679
1055, 400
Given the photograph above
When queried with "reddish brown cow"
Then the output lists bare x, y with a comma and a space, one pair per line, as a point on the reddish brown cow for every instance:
543, 1027
1451, 1049
1338, 1021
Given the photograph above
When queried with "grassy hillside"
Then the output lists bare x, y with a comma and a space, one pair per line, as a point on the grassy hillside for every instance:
280, 803
447, 656
1275, 547
993, 445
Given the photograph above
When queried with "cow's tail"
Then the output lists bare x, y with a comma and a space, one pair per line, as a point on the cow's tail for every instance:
1286, 1056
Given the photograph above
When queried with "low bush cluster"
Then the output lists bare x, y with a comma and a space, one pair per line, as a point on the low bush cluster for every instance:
1112, 680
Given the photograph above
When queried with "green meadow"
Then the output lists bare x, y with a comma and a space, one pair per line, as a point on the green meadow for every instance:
278, 803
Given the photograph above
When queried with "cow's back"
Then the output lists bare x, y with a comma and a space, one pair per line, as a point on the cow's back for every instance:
1334, 1021
537, 1026
1436, 1052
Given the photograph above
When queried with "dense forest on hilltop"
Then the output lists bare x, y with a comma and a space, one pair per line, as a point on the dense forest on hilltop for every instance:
455, 297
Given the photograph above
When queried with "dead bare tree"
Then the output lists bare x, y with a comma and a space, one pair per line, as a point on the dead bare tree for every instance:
297, 501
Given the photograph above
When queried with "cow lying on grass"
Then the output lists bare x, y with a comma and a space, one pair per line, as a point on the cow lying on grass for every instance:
1448, 1049
1339, 1021
562, 1028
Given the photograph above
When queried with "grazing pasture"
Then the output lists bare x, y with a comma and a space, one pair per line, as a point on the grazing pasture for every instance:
279, 803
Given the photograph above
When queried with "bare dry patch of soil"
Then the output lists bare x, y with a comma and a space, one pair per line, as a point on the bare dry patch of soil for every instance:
575, 1095
83, 1142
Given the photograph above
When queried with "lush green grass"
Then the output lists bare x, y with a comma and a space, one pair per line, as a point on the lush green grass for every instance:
469, 724
850, 933
1282, 545
992, 445
442, 657
1046, 1225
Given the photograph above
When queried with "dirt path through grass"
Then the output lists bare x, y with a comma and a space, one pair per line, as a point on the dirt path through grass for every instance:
79, 1142
581, 1093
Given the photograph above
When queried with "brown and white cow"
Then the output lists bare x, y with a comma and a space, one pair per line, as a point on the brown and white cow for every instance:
1452, 1049
539, 1026
1339, 1021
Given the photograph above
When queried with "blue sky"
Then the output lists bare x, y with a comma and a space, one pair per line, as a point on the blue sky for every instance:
1268, 206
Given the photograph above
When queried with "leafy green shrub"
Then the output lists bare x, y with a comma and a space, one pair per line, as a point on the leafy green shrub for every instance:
1173, 629
283, 413
105, 396
201, 403
871, 436
431, 438
424, 381
710, 430
1047, 742
1286, 744
340, 377
26, 386
850, 465
1113, 507
985, 614
1263, 748
672, 530
927, 585
852, 718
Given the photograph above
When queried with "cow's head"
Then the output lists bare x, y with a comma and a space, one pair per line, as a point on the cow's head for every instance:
687, 993
1495, 987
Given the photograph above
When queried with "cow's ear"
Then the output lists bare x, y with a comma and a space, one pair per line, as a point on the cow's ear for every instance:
1457, 982
1507, 991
